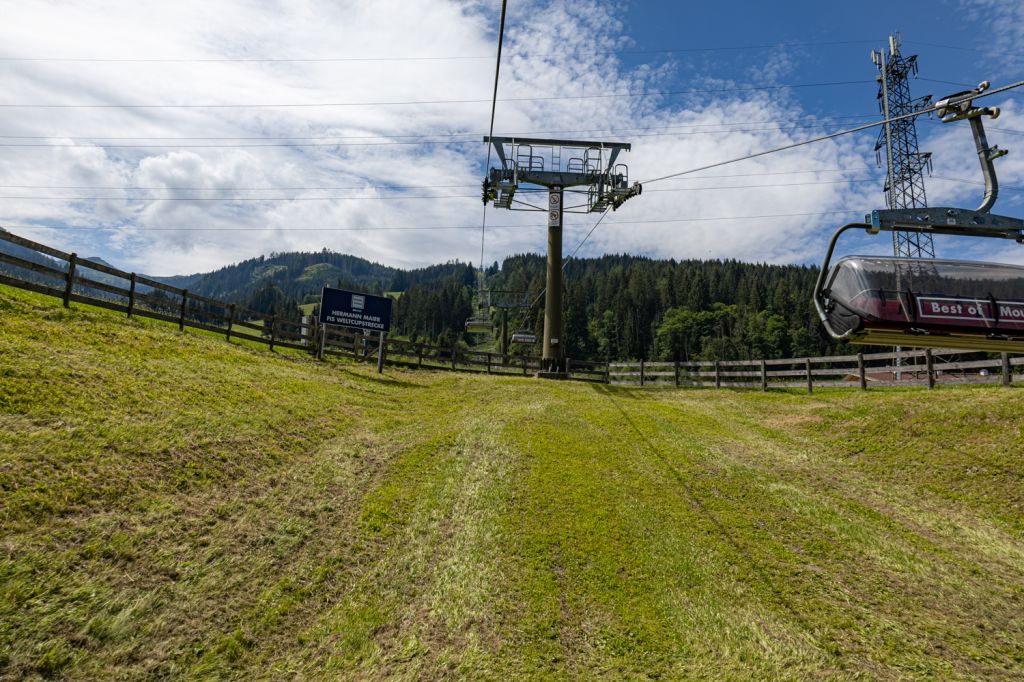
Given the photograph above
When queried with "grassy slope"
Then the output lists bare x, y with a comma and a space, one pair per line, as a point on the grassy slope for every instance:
174, 506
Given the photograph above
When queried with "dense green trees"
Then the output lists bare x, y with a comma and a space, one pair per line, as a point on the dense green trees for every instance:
616, 306
631, 307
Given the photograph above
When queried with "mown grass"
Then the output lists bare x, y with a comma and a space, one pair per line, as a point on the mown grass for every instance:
174, 506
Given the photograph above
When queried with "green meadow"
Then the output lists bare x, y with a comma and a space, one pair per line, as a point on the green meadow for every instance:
173, 506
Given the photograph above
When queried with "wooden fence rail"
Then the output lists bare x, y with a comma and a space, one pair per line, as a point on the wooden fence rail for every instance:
66, 277
905, 368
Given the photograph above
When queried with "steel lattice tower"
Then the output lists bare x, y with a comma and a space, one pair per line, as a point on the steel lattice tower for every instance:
905, 165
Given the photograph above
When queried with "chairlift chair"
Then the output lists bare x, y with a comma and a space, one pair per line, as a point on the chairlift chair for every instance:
524, 336
930, 303
479, 325
480, 321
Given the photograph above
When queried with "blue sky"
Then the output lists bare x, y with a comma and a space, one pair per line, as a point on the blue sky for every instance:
333, 176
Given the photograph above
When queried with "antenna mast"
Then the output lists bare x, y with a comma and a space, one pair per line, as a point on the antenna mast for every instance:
905, 165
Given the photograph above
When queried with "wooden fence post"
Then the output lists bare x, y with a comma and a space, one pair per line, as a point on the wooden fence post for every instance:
641, 371
419, 355
608, 372
453, 357
381, 350
72, 262
131, 294
488, 363
676, 370
184, 306
718, 374
1007, 375
764, 376
231, 321
810, 377
861, 373
273, 329
524, 366
929, 362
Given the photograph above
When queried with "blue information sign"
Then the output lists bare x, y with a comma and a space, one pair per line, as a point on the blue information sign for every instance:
352, 309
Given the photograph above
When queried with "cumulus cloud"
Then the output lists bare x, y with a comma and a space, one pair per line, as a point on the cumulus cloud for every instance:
308, 176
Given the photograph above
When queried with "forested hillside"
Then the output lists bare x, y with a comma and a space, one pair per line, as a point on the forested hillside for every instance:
278, 283
622, 307
616, 307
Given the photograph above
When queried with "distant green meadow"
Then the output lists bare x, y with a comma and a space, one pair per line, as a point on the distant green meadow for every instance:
176, 506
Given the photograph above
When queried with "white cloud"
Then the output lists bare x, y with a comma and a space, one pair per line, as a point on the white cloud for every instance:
1002, 23
552, 49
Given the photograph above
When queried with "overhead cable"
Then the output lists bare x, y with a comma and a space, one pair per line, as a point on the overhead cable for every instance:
821, 138
414, 58
263, 105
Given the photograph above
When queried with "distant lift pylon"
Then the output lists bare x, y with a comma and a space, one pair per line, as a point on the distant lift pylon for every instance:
931, 303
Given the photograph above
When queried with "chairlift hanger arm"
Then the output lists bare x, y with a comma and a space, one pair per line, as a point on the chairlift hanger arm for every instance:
960, 106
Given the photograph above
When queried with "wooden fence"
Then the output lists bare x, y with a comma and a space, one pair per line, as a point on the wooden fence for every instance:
66, 276
905, 368
71, 279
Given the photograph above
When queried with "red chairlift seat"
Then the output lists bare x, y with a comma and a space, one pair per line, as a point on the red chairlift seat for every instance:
929, 303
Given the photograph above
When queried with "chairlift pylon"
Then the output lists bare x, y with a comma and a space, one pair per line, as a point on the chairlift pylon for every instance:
930, 303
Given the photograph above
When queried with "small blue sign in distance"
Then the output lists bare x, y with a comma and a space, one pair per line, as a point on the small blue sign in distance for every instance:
353, 309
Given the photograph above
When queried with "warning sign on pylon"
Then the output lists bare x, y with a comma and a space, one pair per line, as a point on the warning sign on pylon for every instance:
554, 209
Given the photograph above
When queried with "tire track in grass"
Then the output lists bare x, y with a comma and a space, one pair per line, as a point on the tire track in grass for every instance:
963, 608
424, 605
773, 591
651, 589
887, 571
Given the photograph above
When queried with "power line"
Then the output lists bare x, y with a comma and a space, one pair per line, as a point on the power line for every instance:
475, 136
962, 48
267, 60
624, 95
799, 144
105, 145
237, 189
398, 187
408, 187
830, 136
422, 227
402, 198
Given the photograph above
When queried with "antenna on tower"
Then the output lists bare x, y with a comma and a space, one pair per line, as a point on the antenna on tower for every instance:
905, 165
556, 165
